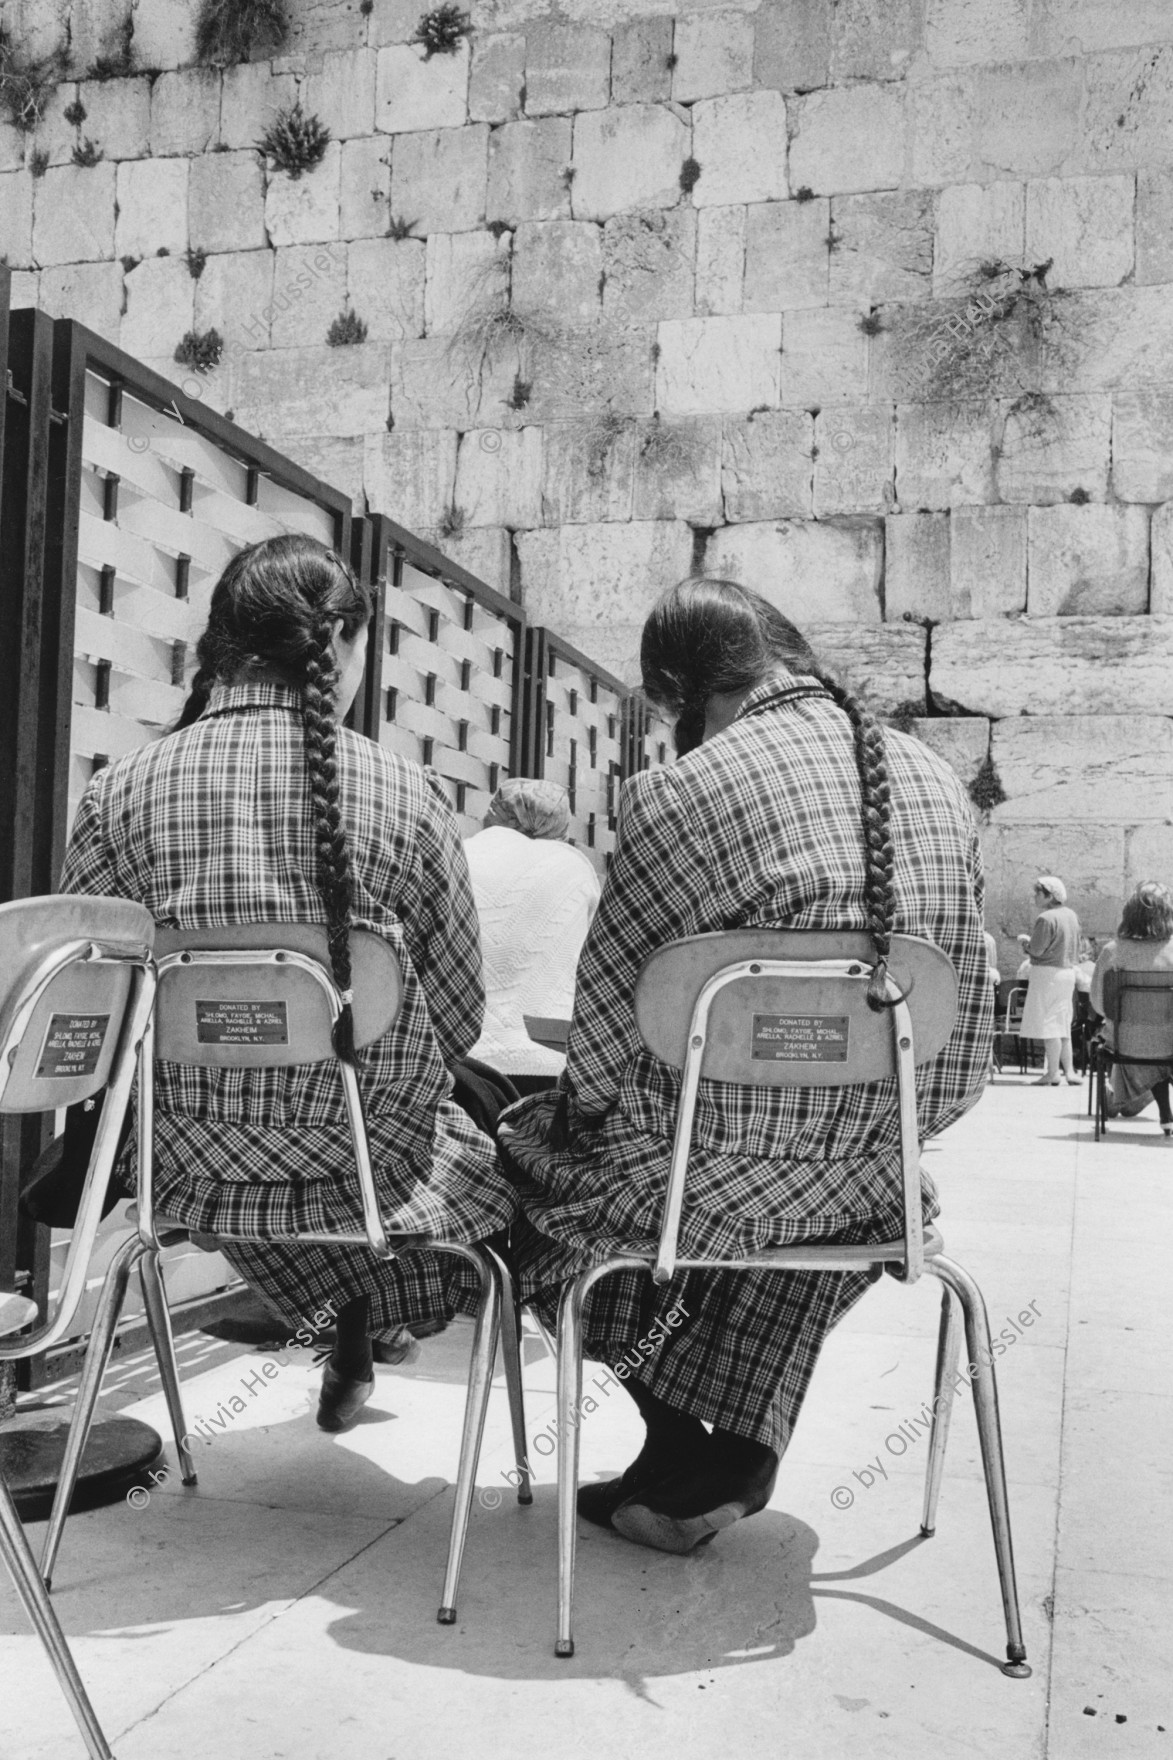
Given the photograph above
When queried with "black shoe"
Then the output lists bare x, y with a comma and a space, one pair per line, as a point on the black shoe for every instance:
685, 1510
653, 1465
341, 1400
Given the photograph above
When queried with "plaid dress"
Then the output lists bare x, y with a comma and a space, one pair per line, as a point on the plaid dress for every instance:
758, 827
213, 826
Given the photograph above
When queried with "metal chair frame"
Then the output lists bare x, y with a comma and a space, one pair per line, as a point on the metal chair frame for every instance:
1119, 983
497, 1312
905, 1259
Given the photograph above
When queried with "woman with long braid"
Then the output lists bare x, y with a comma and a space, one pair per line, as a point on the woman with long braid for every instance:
788, 807
260, 808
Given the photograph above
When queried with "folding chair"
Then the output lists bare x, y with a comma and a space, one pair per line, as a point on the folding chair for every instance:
259, 997
1138, 1006
1008, 1026
78, 986
784, 1008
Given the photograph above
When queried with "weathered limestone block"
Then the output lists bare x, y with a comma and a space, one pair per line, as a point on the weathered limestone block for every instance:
1142, 444
152, 207
89, 291
600, 574
815, 573
1161, 540
1084, 225
640, 73
678, 471
1148, 854
962, 740
118, 116
916, 566
720, 260
601, 369
319, 25
1109, 339
977, 223
309, 291
234, 292
184, 112
164, 33
500, 484
1154, 224
25, 285
883, 246
850, 138
884, 662
962, 33
786, 255
1080, 768
987, 560
1028, 117
614, 647
331, 391
1128, 114
942, 121
435, 383
557, 267
250, 95
1052, 447
567, 67
438, 178
410, 475
1087, 561
526, 165
648, 261
338, 462
226, 196
16, 218
944, 455
792, 45
392, 21
589, 473
825, 357
766, 465
497, 79
870, 41
466, 272
714, 55
740, 144
160, 307
73, 215
412, 92
627, 157
482, 550
1057, 665
1088, 857
385, 284
365, 188
342, 94
854, 468
712, 364
306, 209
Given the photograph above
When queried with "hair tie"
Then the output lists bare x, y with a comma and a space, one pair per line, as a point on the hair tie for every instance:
346, 997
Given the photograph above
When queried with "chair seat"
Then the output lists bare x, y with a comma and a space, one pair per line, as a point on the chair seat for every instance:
16, 1312
802, 1256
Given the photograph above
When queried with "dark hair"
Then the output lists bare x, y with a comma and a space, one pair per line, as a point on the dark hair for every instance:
273, 610
711, 636
1148, 914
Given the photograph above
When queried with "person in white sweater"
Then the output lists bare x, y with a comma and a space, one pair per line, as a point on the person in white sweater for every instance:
535, 896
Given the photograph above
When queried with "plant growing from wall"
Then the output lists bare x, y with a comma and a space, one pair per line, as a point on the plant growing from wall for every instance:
399, 228
668, 447
690, 175
451, 521
442, 30
601, 436
294, 142
27, 82
986, 791
75, 113
39, 161
228, 31
489, 328
904, 714
200, 349
119, 61
520, 393
87, 153
995, 333
197, 262
347, 330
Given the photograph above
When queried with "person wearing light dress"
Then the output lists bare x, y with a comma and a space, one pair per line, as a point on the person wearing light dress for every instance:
1053, 947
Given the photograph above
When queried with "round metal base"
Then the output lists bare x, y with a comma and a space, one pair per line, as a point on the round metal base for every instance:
564, 1647
1018, 1671
446, 1616
927, 1533
119, 1452
526, 1497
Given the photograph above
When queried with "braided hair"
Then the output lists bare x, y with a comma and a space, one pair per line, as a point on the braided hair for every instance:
272, 614
714, 637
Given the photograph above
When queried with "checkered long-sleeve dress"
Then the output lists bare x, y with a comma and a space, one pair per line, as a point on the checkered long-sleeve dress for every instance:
759, 826
213, 826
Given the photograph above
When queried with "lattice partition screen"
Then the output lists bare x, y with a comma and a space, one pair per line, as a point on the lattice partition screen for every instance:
578, 737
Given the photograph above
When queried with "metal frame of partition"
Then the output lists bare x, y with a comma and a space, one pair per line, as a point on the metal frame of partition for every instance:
599, 744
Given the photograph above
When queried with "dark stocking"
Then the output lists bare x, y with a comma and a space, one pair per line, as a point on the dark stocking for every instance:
1161, 1096
675, 1439
351, 1355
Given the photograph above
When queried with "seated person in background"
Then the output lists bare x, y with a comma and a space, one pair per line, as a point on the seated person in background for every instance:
535, 898
260, 808
1086, 965
1144, 943
788, 807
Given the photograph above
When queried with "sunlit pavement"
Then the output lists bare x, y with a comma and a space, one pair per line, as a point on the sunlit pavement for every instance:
287, 1607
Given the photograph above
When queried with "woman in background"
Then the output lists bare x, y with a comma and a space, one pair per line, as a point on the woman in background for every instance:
1053, 949
1144, 943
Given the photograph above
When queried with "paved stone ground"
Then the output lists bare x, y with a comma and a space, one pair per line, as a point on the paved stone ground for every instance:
286, 1609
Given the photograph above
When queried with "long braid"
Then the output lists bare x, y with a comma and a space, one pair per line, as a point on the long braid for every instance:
330, 847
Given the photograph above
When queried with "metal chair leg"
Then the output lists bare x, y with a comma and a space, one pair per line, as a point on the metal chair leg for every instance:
93, 1370
480, 1379
22, 1566
569, 1407
985, 1399
948, 1346
159, 1324
511, 1351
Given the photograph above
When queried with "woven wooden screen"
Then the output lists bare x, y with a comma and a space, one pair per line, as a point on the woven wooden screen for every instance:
444, 669
577, 734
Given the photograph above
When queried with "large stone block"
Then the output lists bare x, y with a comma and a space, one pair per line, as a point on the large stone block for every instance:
465, 271
318, 391
814, 572
364, 194
1027, 117
1161, 542
342, 93
557, 270
589, 472
497, 80
308, 294
152, 207
1128, 110
598, 575
226, 195
164, 33
977, 223
1148, 854
233, 293
1154, 224
678, 471
874, 41
962, 740
825, 357
250, 96
337, 461
16, 218
599, 371
714, 55
883, 247
1057, 665
627, 157
740, 144
1108, 339
766, 466
640, 70
414, 92
944, 454
720, 260
713, 364
786, 255
567, 68
392, 21
1142, 444
1051, 448
987, 559
91, 292
942, 120
482, 550
1087, 561
792, 45
160, 308
963, 33
185, 112
73, 215
437, 384
1084, 768
1088, 857
527, 163
850, 138
306, 209
854, 460
118, 117
649, 264
385, 284
438, 179
1083, 226
916, 567
410, 475
500, 484
884, 663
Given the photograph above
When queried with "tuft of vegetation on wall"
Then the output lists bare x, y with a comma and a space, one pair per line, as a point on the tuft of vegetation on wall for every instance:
27, 82
441, 31
228, 31
294, 142
200, 349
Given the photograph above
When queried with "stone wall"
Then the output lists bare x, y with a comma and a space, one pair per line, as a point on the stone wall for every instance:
866, 302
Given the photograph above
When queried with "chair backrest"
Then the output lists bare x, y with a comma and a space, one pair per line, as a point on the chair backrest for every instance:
788, 1008
1015, 1003
1140, 1007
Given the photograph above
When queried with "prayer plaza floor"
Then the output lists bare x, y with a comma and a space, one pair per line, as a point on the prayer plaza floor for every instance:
286, 1609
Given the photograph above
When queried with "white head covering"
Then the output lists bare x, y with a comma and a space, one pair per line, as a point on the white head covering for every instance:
1052, 884
535, 808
